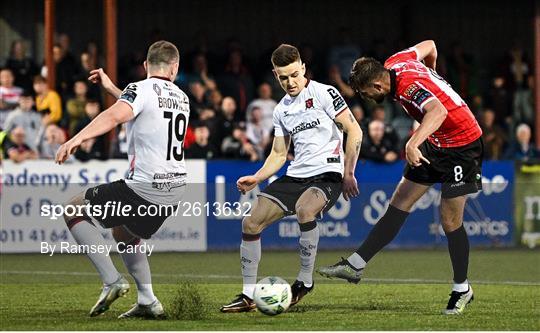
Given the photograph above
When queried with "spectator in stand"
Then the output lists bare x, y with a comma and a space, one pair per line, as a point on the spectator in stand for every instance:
48, 101
522, 148
223, 122
22, 66
93, 148
200, 72
86, 65
499, 100
216, 98
9, 93
52, 138
75, 106
66, 70
265, 103
379, 113
344, 54
15, 148
518, 71
238, 146
257, 133
377, 146
198, 99
27, 118
236, 82
201, 148
494, 136
461, 71
335, 79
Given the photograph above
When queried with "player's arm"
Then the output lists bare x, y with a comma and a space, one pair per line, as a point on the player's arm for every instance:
117, 114
99, 76
274, 162
346, 121
434, 115
427, 52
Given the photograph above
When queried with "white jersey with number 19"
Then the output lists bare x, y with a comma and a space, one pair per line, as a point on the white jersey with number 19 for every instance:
157, 170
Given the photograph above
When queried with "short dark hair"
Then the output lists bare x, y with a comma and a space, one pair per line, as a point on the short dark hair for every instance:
284, 55
162, 52
39, 79
364, 71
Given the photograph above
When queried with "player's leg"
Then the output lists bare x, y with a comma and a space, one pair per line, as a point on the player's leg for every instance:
386, 229
263, 214
136, 261
462, 176
308, 207
86, 233
458, 247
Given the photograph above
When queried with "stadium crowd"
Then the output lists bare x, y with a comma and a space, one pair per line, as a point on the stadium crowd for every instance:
232, 99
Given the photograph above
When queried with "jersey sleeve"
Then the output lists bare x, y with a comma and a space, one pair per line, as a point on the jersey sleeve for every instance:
407, 54
279, 129
332, 101
417, 93
132, 95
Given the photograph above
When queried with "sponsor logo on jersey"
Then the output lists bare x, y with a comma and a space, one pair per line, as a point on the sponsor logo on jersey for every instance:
157, 89
309, 103
338, 101
410, 90
304, 126
129, 93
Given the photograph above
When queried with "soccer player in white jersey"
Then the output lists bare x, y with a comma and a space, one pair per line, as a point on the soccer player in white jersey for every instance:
313, 116
156, 112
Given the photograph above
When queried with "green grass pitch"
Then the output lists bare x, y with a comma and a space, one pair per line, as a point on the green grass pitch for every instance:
403, 290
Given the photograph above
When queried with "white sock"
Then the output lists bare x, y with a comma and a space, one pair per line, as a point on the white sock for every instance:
356, 261
461, 287
308, 252
250, 255
138, 267
86, 233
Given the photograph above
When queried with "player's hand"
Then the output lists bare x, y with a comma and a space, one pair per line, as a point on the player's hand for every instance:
66, 150
414, 156
246, 183
99, 76
350, 187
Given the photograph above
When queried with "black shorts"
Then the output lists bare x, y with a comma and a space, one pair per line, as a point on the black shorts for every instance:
140, 221
286, 190
459, 170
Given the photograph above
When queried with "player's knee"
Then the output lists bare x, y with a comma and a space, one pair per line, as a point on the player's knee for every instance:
120, 234
450, 222
304, 214
71, 208
251, 226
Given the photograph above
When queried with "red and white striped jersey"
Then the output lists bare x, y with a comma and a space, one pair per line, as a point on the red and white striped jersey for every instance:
413, 85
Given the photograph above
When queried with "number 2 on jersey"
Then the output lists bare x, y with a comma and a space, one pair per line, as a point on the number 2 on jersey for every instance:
177, 125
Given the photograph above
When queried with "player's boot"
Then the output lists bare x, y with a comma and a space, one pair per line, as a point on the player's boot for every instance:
458, 301
150, 311
241, 303
342, 270
109, 294
299, 290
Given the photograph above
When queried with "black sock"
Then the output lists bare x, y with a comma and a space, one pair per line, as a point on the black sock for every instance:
382, 233
458, 246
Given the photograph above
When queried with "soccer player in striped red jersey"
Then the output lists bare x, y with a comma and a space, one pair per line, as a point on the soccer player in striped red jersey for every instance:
446, 148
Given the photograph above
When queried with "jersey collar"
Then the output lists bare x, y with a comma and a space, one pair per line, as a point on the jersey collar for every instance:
393, 84
160, 77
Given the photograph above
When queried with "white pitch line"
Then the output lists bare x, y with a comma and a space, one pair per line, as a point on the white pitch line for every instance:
218, 276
